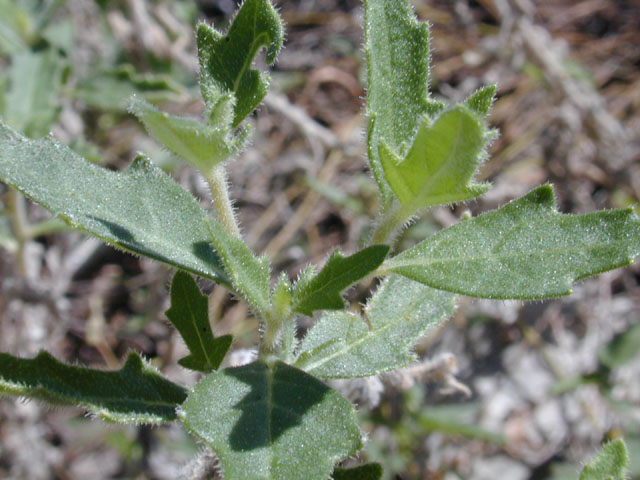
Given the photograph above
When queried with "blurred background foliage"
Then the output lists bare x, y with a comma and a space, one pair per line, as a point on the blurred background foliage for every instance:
539, 386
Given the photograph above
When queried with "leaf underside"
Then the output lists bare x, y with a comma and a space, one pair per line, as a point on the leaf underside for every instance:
323, 290
524, 250
249, 274
204, 146
189, 313
137, 393
611, 463
272, 422
141, 210
401, 312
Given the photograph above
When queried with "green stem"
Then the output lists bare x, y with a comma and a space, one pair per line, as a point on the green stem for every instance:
217, 180
389, 224
270, 335
18, 218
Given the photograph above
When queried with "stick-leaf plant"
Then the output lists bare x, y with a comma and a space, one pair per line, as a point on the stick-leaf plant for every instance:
275, 418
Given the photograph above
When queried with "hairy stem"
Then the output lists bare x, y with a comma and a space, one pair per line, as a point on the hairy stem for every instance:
270, 335
217, 180
389, 223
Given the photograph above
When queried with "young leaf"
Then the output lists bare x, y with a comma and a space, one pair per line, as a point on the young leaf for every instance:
441, 162
272, 420
481, 101
322, 291
137, 393
611, 463
204, 146
397, 51
189, 313
524, 250
249, 274
141, 210
370, 471
343, 345
225, 60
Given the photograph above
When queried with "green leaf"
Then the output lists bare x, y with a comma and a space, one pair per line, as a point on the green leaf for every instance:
137, 393
397, 51
204, 146
249, 274
622, 348
189, 313
31, 103
141, 210
370, 471
225, 60
16, 27
343, 345
611, 463
111, 89
524, 250
270, 421
441, 162
481, 101
322, 291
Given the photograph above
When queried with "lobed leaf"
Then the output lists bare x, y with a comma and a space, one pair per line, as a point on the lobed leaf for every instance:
370, 471
611, 463
225, 60
137, 393
270, 421
189, 313
322, 290
249, 274
397, 51
524, 250
344, 345
204, 146
420, 155
141, 210
440, 164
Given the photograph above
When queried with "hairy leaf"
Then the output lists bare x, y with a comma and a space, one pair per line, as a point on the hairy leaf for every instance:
189, 313
344, 345
249, 274
524, 250
440, 165
272, 420
481, 101
370, 471
322, 291
141, 210
137, 393
397, 51
225, 60
611, 463
204, 146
